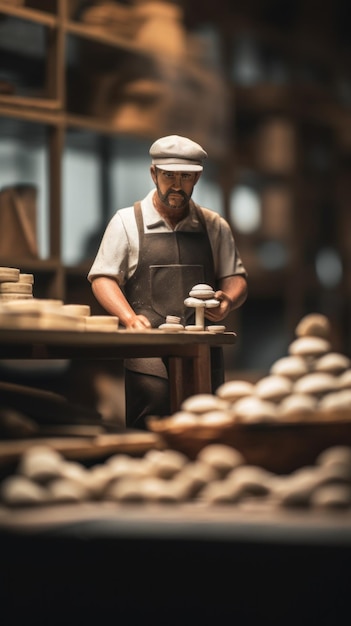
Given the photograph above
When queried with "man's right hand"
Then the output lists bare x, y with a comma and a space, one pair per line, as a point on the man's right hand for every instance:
139, 322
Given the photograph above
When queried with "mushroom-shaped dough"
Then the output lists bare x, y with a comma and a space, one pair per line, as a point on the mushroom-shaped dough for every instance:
201, 296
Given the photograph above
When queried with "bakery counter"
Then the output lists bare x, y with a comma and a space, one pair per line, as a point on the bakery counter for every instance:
188, 352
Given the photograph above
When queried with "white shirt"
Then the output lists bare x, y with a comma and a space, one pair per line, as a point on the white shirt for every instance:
118, 253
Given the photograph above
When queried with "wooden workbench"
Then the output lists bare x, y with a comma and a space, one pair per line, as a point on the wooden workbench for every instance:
188, 352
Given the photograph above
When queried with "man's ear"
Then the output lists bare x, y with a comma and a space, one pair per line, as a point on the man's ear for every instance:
153, 174
197, 176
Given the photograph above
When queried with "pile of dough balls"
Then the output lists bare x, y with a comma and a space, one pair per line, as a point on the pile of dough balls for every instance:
218, 475
312, 380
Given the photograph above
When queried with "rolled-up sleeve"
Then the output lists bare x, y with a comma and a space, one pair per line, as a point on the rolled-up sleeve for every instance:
226, 256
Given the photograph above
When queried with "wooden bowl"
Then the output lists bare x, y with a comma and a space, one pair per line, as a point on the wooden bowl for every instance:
277, 447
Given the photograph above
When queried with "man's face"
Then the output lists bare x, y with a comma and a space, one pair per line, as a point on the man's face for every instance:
174, 188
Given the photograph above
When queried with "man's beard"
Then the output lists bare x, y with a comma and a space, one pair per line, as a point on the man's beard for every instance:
165, 198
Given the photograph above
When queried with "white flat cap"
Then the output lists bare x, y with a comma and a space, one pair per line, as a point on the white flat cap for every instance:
174, 153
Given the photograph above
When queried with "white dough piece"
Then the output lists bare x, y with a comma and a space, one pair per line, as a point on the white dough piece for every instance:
273, 388
194, 328
202, 291
216, 418
309, 346
340, 399
253, 409
221, 457
171, 328
18, 490
332, 362
202, 403
290, 366
101, 323
215, 328
297, 403
233, 390
313, 325
344, 380
315, 383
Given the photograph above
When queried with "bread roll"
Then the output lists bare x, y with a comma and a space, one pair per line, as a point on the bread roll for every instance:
332, 363
309, 346
315, 383
216, 418
332, 497
203, 402
313, 325
297, 404
344, 380
221, 457
292, 367
335, 400
18, 490
234, 390
254, 409
273, 388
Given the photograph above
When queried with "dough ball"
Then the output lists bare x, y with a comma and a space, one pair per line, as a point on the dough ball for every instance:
308, 346
203, 402
297, 404
158, 490
217, 492
335, 454
41, 463
273, 388
216, 418
253, 409
292, 367
297, 488
100, 476
344, 380
315, 325
233, 390
184, 418
165, 463
332, 363
194, 476
316, 383
202, 291
221, 457
19, 490
65, 490
336, 400
249, 480
122, 465
125, 490
332, 497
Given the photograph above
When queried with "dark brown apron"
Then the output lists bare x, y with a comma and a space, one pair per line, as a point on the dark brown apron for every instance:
169, 265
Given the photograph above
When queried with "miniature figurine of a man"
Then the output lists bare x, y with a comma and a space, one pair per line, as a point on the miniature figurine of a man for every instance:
150, 257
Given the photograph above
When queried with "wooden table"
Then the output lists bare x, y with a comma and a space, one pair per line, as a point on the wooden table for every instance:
188, 352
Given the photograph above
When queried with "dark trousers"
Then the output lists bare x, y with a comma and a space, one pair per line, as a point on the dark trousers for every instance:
148, 395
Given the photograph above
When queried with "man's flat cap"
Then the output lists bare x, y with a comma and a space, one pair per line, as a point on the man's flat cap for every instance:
175, 153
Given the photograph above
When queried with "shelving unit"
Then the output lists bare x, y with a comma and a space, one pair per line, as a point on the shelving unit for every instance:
48, 107
294, 62
303, 68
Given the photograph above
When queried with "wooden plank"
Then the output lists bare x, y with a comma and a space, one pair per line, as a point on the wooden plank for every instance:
31, 15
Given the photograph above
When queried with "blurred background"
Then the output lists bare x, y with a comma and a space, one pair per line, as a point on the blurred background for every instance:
264, 86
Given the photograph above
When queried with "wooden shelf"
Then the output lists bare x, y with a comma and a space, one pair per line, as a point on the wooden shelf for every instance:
30, 15
99, 35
